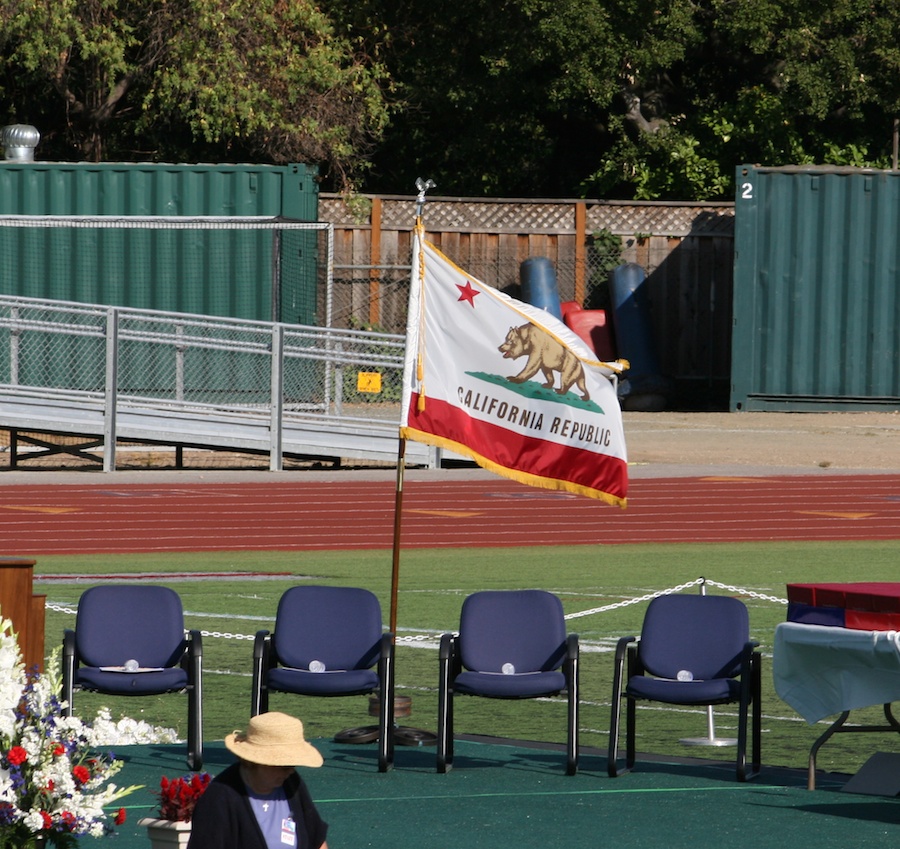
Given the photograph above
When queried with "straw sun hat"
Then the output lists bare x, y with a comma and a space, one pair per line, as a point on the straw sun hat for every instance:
273, 739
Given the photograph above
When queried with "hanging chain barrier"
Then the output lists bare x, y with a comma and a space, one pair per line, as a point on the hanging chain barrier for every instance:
699, 582
225, 635
425, 638
749, 593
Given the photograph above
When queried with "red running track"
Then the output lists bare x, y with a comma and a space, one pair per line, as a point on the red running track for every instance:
310, 515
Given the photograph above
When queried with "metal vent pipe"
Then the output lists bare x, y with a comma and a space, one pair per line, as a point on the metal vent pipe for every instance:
19, 142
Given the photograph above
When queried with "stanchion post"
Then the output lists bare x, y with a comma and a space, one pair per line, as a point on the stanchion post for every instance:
710, 739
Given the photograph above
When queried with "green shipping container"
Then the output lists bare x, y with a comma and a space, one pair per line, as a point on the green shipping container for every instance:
228, 273
816, 321
258, 275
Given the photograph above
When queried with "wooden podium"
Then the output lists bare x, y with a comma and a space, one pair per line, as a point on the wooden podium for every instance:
26, 610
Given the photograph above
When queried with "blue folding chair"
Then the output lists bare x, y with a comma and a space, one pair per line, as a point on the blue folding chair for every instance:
325, 643
511, 644
693, 650
129, 640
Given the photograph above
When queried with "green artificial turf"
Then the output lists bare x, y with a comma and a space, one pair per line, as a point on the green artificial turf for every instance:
433, 584
515, 797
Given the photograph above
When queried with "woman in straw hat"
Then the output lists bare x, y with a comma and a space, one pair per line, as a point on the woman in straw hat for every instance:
261, 802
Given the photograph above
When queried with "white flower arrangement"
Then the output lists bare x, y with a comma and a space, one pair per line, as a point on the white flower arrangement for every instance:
53, 783
129, 732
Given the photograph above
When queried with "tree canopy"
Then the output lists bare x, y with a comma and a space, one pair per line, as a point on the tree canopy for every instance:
612, 98
272, 80
636, 98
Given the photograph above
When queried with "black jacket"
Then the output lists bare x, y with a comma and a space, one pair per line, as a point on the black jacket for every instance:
223, 818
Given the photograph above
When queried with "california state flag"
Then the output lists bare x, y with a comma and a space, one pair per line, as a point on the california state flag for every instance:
508, 385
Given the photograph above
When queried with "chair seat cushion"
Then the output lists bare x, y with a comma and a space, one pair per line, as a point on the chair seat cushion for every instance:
714, 691
516, 686
337, 683
132, 683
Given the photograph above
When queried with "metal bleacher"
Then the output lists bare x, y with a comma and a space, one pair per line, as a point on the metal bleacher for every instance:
110, 375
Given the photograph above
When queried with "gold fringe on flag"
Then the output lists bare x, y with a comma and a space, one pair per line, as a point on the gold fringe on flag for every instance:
507, 472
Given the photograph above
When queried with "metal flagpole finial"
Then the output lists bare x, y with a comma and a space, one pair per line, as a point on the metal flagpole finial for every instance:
423, 186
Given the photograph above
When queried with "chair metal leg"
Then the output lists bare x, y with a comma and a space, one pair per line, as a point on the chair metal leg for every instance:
195, 729
259, 692
612, 752
757, 713
572, 737
68, 670
386, 733
741, 766
195, 702
750, 701
755, 707
445, 707
445, 734
612, 755
630, 722
572, 674
386, 705
192, 663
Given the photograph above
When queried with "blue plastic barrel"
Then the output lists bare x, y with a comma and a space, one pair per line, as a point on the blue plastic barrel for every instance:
631, 316
646, 387
539, 286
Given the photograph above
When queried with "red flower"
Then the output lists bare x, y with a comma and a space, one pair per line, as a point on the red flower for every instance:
58, 750
178, 796
17, 755
81, 774
47, 819
120, 816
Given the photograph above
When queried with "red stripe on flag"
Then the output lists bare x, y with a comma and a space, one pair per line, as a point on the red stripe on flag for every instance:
518, 452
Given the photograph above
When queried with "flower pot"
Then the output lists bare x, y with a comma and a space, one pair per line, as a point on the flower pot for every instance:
166, 834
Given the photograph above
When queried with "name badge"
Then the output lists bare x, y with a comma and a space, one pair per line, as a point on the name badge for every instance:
288, 832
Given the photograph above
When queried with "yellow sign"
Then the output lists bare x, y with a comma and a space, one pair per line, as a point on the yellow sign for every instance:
368, 381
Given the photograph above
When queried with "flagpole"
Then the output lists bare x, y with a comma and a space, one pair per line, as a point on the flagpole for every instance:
398, 513
403, 734
423, 186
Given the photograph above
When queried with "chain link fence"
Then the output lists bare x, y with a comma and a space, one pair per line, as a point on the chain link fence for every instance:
233, 374
344, 362
363, 296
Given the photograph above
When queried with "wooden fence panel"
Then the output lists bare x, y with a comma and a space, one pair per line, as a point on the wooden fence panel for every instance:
686, 250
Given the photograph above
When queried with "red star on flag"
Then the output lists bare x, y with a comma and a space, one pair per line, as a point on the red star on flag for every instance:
467, 293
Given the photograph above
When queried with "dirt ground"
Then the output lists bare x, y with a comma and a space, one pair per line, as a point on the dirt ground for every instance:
794, 442
659, 444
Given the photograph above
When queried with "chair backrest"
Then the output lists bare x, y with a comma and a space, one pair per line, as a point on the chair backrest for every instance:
340, 627
700, 634
116, 623
525, 628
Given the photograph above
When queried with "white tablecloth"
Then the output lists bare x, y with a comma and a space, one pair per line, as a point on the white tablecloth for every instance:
821, 671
